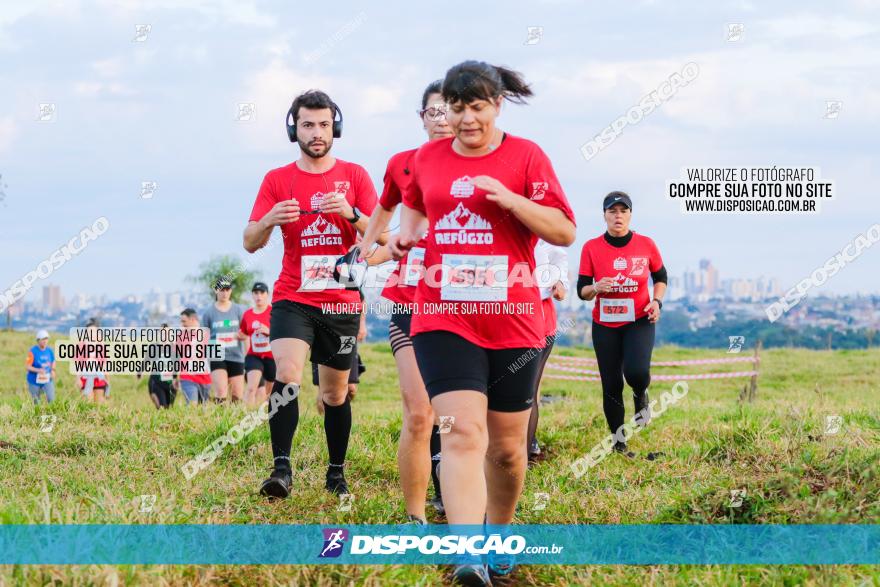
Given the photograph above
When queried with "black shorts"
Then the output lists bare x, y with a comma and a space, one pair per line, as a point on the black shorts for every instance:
232, 368
163, 390
398, 331
354, 375
332, 337
265, 366
449, 362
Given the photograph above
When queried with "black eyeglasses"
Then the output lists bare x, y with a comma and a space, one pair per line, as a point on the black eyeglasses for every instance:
435, 113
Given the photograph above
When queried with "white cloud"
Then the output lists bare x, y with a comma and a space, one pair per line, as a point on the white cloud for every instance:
98, 89
108, 67
814, 27
737, 87
379, 99
236, 12
8, 132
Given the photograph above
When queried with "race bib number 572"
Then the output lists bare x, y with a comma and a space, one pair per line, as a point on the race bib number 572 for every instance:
617, 310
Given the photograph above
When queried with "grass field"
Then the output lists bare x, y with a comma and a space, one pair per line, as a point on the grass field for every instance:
97, 460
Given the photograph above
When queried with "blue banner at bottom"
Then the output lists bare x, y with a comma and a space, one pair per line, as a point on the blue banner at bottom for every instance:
655, 544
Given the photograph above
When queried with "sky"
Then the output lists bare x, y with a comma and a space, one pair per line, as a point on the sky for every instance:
163, 106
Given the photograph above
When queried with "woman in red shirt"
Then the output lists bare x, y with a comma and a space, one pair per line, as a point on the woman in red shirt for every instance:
486, 197
258, 362
614, 271
419, 448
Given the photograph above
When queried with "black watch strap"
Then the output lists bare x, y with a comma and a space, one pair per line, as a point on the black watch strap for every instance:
659, 303
356, 216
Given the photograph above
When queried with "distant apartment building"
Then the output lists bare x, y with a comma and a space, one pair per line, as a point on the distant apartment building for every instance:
52, 300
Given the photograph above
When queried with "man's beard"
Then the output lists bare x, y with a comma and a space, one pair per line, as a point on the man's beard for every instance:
304, 147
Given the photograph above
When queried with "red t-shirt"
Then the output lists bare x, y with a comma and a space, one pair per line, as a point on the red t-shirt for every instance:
185, 375
473, 244
549, 308
313, 243
629, 266
402, 290
250, 325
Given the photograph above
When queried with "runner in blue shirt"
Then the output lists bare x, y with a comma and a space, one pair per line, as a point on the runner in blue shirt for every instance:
41, 369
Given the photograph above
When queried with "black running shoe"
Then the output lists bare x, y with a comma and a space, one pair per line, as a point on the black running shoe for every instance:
535, 452
471, 575
437, 504
622, 449
415, 520
643, 404
336, 481
277, 485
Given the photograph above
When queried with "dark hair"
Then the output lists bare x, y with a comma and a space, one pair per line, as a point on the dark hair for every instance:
477, 80
189, 313
313, 100
164, 325
92, 322
433, 88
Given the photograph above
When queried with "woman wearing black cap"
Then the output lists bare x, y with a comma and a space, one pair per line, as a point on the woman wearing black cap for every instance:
223, 317
258, 362
614, 271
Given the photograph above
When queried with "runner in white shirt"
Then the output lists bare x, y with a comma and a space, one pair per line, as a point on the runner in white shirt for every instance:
551, 262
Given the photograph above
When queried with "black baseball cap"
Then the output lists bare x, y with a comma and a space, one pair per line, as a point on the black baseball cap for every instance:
222, 283
260, 286
617, 198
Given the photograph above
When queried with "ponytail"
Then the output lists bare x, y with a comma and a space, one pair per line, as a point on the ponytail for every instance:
478, 80
515, 87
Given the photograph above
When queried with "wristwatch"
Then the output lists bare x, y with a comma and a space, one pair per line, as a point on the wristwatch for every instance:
659, 303
354, 219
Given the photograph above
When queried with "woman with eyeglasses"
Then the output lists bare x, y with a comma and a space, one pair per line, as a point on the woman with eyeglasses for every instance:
418, 453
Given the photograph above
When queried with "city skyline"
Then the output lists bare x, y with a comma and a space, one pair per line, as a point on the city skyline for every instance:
705, 283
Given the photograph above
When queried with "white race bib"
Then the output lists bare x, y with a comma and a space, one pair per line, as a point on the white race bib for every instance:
259, 341
474, 278
226, 339
317, 273
165, 377
42, 377
415, 266
617, 310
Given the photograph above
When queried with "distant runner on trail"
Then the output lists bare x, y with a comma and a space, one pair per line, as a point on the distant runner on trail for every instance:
614, 271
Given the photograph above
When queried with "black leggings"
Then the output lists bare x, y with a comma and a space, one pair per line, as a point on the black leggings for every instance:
623, 352
162, 390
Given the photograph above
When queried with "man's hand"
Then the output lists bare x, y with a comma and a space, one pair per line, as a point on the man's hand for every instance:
264, 329
284, 212
653, 310
559, 291
497, 192
335, 203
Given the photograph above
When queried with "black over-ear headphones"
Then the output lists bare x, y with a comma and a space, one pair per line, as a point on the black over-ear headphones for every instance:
291, 128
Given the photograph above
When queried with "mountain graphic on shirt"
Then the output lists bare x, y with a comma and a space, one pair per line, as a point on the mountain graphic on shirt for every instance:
462, 219
320, 226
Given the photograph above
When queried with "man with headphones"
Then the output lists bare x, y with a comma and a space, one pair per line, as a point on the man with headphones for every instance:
321, 204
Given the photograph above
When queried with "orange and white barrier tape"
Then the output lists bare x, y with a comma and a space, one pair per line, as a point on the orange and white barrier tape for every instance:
661, 377
589, 361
